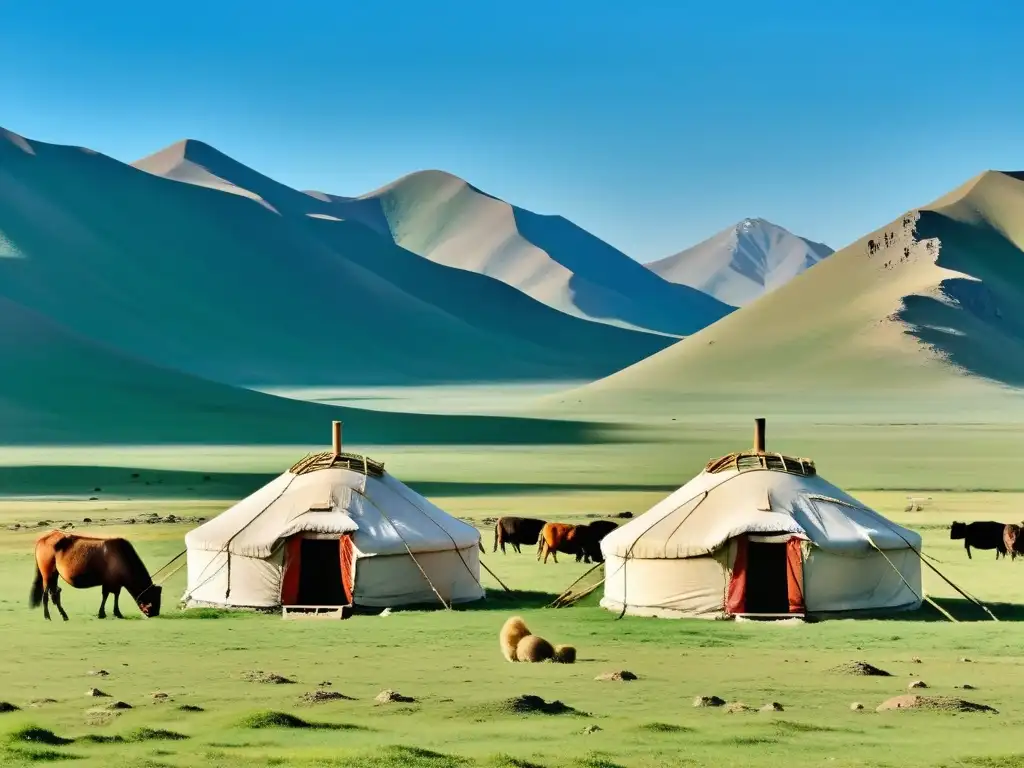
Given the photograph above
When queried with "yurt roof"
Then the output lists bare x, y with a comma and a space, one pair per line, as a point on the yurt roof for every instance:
334, 493
756, 492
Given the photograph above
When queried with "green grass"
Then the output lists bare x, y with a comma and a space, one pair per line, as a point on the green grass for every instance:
450, 663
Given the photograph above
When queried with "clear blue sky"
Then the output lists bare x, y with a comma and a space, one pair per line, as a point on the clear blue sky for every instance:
653, 125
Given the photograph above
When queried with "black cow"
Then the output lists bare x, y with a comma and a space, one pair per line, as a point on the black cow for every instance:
516, 531
590, 545
984, 534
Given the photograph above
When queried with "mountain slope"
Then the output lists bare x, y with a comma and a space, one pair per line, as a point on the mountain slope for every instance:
930, 303
352, 229
60, 388
743, 262
230, 288
447, 220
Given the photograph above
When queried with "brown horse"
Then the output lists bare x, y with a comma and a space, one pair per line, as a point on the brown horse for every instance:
86, 561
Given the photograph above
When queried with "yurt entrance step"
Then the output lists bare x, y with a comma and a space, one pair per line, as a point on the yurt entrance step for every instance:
767, 616
316, 611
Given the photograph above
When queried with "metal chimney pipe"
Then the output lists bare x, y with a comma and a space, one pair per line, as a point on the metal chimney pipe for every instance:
759, 435
336, 434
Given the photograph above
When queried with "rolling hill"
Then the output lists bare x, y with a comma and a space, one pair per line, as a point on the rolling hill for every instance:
211, 278
930, 305
59, 388
743, 262
445, 219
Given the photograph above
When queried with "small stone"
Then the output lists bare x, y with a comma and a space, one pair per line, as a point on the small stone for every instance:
773, 706
965, 660
86, 519
98, 672
620, 676
393, 697
160, 696
966, 687
737, 706
856, 706
96, 692
708, 701
917, 684
915, 660
591, 729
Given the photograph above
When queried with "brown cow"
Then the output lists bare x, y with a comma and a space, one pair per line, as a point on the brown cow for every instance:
1012, 541
558, 537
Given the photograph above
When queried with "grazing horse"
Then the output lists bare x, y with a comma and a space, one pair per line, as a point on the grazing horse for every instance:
86, 561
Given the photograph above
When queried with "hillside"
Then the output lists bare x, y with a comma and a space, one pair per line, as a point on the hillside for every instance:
743, 262
447, 220
212, 279
58, 388
930, 304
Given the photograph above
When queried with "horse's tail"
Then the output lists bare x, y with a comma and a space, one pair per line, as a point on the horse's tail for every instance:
497, 535
37, 589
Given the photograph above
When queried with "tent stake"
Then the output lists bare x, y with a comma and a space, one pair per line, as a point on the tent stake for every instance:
494, 575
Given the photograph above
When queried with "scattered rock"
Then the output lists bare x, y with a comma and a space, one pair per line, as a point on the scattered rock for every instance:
917, 684
171, 519
915, 660
773, 706
41, 702
6, 706
530, 704
96, 692
114, 705
42, 524
860, 668
393, 697
934, 703
269, 678
738, 706
708, 701
590, 729
856, 706
86, 519
966, 687
98, 672
314, 697
965, 660
620, 676
324, 684
624, 515
160, 696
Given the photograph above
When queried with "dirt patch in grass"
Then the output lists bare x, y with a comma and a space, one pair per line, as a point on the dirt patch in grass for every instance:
932, 704
271, 719
315, 697
267, 678
665, 728
393, 697
861, 668
620, 676
32, 734
529, 704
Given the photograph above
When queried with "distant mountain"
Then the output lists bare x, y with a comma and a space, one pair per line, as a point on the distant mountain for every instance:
743, 262
931, 303
449, 221
234, 277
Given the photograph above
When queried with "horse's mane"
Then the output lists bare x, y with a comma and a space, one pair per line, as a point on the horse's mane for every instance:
134, 562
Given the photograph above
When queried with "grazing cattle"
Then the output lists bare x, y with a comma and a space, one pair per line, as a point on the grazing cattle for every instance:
558, 537
590, 545
516, 531
84, 562
1011, 537
980, 535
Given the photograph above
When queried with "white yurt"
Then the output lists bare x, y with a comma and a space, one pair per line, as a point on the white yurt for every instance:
336, 529
760, 534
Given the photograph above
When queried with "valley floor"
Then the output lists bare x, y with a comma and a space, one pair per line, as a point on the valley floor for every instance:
451, 665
